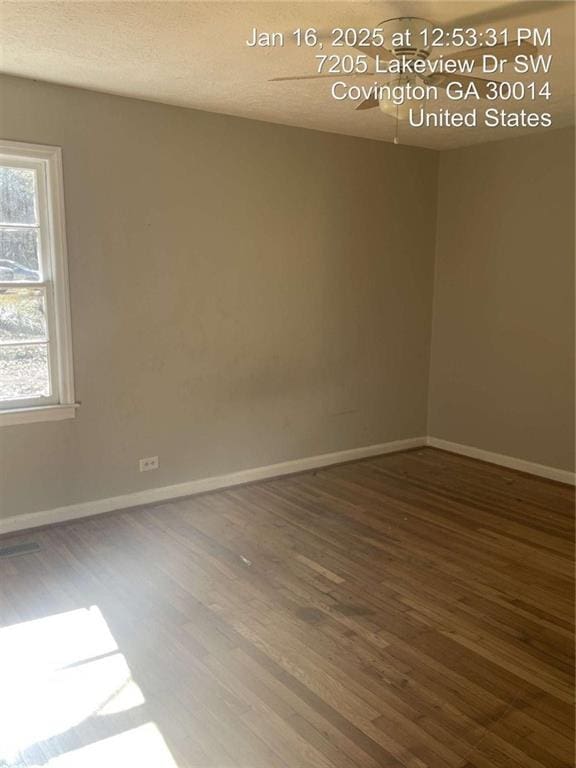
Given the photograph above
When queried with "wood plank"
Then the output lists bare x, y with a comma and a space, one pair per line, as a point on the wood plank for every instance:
413, 610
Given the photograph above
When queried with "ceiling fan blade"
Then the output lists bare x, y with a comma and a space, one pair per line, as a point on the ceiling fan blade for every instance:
500, 51
321, 77
368, 103
441, 81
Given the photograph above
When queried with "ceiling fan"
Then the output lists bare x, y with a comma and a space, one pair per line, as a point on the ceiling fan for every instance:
419, 32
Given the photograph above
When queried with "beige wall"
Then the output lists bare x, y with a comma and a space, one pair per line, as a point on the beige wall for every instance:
502, 373
242, 294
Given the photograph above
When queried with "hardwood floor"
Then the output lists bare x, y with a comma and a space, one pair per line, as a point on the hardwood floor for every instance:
411, 610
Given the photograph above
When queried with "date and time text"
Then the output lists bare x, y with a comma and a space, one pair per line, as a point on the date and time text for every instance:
517, 97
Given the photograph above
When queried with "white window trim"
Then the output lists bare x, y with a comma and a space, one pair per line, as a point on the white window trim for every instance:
48, 160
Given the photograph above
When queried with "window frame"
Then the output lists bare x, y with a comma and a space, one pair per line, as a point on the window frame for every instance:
53, 264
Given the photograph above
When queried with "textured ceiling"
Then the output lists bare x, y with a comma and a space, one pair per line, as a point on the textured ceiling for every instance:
193, 54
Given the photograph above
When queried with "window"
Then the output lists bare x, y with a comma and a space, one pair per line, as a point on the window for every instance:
36, 381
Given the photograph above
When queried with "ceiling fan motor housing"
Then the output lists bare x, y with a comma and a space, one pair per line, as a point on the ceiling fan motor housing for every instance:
408, 37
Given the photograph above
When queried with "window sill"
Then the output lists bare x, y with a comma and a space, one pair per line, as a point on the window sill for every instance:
37, 413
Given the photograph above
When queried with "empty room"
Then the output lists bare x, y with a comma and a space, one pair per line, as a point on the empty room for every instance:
287, 384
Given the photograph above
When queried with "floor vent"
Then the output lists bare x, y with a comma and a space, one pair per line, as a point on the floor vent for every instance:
19, 549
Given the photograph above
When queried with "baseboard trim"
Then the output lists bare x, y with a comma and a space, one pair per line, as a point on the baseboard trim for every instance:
194, 487
541, 470
221, 482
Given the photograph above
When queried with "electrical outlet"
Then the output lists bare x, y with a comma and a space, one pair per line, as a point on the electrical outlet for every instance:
150, 463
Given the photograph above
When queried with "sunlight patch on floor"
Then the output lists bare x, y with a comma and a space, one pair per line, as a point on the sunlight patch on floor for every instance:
143, 747
58, 672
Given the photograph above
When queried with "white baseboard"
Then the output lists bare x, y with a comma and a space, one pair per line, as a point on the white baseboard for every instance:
155, 495
551, 473
194, 487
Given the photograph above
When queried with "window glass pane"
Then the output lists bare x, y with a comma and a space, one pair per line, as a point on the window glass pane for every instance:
19, 254
22, 314
24, 372
17, 195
